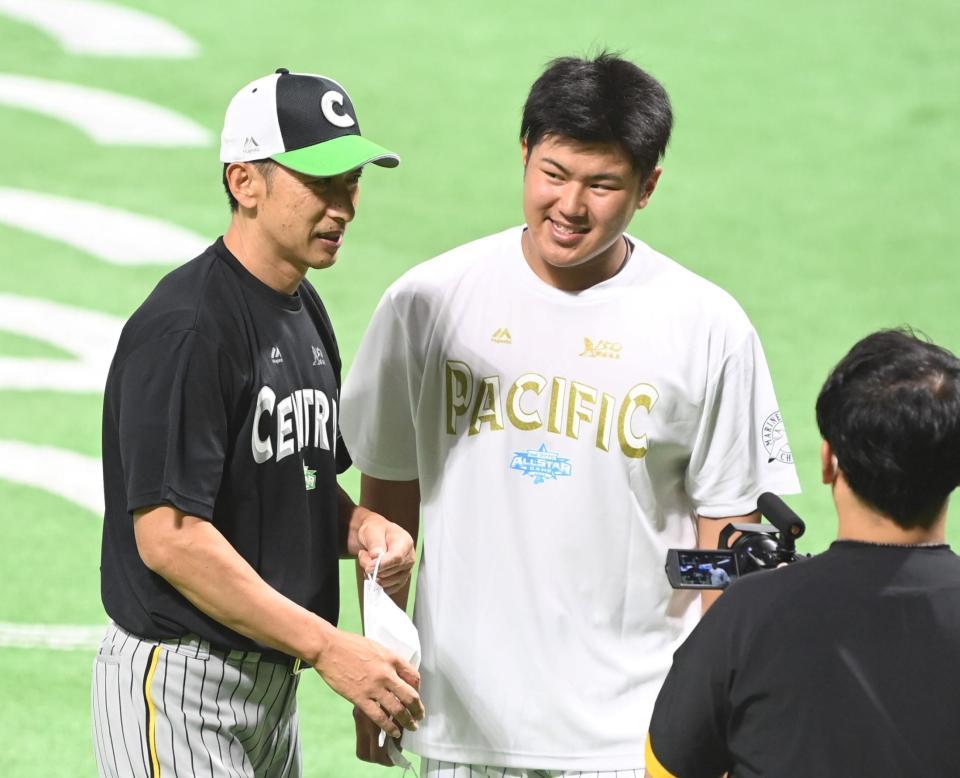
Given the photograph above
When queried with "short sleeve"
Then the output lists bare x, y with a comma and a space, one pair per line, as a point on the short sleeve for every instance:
689, 722
175, 396
741, 448
380, 397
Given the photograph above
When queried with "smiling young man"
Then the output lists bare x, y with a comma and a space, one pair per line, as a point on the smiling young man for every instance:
564, 403
224, 522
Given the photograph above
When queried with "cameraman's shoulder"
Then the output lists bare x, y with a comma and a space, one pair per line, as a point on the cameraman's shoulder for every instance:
768, 588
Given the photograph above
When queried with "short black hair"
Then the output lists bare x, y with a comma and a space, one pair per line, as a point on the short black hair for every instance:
602, 100
265, 166
891, 412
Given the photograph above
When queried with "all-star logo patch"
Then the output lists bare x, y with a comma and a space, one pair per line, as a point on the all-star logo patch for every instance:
309, 478
602, 349
775, 440
541, 465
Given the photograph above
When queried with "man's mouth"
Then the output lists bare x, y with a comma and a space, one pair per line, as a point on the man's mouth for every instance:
334, 237
563, 230
571, 229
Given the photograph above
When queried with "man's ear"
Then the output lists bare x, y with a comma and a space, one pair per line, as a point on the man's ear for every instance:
524, 153
646, 191
246, 183
828, 464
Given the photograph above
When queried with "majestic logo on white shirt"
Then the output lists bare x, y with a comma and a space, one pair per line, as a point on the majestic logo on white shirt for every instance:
317, 355
502, 335
603, 349
775, 440
275, 356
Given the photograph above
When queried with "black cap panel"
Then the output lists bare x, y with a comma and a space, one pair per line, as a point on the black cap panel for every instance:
312, 110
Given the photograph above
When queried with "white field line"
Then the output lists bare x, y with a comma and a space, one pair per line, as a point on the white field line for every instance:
107, 117
102, 28
92, 336
63, 637
75, 477
110, 234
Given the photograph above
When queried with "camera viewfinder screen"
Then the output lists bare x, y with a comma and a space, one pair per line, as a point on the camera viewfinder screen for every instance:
707, 568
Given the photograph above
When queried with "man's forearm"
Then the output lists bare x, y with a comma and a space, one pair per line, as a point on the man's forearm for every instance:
194, 557
708, 536
398, 501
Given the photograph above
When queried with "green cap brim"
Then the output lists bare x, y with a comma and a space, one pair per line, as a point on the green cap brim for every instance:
333, 157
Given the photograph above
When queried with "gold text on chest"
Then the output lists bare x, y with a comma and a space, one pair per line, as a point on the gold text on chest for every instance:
559, 405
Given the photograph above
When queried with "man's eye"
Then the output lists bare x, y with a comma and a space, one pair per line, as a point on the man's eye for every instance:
550, 174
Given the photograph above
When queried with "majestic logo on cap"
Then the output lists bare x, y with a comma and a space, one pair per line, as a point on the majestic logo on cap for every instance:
327, 102
250, 144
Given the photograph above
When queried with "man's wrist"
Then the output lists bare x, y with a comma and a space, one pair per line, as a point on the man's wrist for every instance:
361, 517
318, 642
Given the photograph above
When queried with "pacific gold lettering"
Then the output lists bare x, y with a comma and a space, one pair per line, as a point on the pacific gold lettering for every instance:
579, 407
486, 408
641, 396
558, 390
605, 422
519, 418
458, 381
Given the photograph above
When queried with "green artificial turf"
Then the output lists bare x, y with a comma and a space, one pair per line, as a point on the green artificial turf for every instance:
812, 173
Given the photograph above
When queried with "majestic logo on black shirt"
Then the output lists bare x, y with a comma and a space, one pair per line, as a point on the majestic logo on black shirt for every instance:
305, 418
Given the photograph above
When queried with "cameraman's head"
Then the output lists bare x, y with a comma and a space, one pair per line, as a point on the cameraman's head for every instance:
889, 414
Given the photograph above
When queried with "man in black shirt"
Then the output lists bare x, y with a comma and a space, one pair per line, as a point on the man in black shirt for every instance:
224, 522
845, 664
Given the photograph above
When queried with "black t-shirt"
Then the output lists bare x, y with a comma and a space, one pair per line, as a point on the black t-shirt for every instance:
222, 400
847, 664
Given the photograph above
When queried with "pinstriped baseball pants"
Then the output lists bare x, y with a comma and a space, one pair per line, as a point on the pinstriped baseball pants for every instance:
176, 708
434, 768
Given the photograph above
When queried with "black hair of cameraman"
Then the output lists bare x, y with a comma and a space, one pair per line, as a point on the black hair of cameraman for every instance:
890, 411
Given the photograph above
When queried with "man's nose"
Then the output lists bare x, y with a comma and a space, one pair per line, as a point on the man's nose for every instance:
572, 201
341, 201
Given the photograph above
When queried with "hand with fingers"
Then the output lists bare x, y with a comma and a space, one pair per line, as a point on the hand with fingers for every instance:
381, 685
378, 536
368, 740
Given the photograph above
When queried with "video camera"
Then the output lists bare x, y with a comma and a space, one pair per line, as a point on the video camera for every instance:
756, 547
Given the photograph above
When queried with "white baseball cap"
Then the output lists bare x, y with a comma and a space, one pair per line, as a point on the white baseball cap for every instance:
303, 121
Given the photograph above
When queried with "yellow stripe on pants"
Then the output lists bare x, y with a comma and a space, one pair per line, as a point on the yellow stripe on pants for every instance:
152, 662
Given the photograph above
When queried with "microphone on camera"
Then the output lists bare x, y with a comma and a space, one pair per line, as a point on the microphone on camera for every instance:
782, 517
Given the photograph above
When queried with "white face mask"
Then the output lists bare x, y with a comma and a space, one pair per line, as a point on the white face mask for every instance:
388, 625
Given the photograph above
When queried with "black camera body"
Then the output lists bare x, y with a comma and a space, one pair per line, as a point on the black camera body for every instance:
744, 548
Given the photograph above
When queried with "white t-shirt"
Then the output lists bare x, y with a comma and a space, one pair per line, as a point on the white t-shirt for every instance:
563, 442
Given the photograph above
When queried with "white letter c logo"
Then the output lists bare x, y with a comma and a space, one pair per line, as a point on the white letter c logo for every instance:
327, 102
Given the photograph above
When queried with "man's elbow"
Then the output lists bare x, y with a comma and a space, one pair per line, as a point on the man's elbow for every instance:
161, 534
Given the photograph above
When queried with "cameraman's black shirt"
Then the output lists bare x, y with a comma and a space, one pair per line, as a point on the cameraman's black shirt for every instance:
845, 665
222, 400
